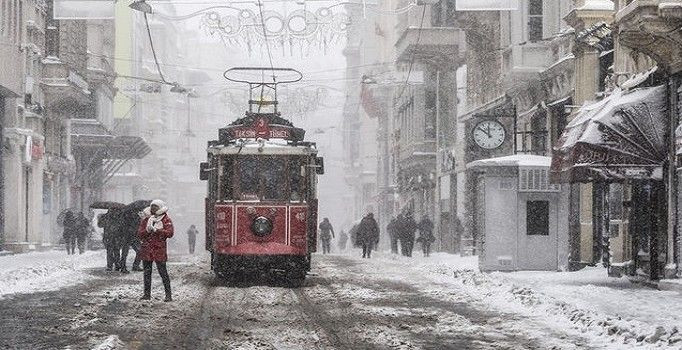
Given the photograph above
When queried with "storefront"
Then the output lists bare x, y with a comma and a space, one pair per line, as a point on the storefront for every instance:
619, 145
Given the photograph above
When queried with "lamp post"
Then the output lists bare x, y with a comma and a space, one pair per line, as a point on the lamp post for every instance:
142, 6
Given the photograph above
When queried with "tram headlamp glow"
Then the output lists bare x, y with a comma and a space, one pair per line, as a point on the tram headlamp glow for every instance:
261, 226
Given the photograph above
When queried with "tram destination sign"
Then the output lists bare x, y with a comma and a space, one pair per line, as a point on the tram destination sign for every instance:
260, 127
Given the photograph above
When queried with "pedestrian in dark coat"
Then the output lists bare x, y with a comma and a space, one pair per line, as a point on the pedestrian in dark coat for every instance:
82, 230
392, 229
153, 232
368, 234
69, 232
426, 237
409, 229
192, 233
127, 238
107, 222
343, 240
326, 235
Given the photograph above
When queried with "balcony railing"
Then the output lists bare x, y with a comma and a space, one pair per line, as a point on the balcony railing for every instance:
61, 84
431, 45
519, 61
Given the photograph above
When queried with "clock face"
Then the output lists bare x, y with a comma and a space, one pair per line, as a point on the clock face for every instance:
489, 134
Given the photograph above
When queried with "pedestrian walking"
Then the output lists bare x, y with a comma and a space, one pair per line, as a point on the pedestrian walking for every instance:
81, 229
128, 238
326, 235
153, 233
426, 237
343, 240
368, 234
69, 232
409, 229
107, 222
392, 229
192, 233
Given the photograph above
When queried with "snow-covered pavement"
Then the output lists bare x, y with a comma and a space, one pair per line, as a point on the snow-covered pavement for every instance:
388, 302
46, 271
610, 312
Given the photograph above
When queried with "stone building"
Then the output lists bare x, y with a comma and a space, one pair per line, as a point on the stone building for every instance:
359, 128
519, 77
628, 207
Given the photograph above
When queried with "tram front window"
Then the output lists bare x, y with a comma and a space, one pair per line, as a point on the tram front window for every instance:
295, 180
226, 178
274, 179
248, 178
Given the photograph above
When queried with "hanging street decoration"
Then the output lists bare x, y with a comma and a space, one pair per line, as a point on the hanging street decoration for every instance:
299, 31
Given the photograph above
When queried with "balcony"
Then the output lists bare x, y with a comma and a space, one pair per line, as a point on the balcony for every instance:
652, 27
62, 86
440, 45
99, 71
522, 62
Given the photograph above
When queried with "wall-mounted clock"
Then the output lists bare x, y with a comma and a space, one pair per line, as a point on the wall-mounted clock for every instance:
489, 134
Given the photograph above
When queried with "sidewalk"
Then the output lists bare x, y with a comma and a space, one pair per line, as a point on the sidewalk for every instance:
588, 302
45, 271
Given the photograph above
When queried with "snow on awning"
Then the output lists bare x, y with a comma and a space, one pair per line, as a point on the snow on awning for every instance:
638, 79
620, 137
517, 160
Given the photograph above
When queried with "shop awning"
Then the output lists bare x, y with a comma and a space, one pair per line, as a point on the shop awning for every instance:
128, 147
91, 133
620, 137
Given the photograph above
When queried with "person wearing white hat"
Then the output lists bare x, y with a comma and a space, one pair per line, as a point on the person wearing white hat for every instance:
153, 231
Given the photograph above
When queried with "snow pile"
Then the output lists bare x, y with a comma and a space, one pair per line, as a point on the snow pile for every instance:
111, 343
587, 301
45, 271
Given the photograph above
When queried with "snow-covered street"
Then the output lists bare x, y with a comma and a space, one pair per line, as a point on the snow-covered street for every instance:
387, 302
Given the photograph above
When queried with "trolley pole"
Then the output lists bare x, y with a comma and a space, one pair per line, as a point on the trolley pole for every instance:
437, 214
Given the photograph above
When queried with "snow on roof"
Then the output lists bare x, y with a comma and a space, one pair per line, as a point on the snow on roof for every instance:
520, 160
600, 5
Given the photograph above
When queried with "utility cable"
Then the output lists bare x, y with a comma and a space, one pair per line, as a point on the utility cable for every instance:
151, 44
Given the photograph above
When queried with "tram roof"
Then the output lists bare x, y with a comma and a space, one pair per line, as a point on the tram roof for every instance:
263, 147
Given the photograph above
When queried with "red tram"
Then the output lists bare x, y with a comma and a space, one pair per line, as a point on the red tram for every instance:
261, 208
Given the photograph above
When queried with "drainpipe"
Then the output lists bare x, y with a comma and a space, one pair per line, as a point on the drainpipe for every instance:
437, 220
671, 174
2, 173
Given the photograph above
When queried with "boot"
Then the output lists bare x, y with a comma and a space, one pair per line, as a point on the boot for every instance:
168, 298
146, 297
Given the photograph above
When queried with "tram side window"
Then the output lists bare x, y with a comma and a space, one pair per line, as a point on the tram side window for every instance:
295, 180
274, 179
226, 178
248, 178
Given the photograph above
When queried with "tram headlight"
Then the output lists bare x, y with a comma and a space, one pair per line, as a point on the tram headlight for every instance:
261, 226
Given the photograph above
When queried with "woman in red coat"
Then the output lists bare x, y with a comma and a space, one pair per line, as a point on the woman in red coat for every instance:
153, 231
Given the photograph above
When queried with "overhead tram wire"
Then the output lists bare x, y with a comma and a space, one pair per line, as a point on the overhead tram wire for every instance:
265, 37
409, 70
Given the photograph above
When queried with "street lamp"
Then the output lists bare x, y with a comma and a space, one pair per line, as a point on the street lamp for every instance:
178, 89
141, 5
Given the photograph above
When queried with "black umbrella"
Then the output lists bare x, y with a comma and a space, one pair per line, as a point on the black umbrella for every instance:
138, 205
107, 205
